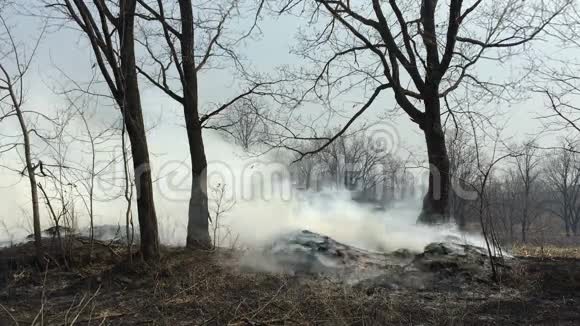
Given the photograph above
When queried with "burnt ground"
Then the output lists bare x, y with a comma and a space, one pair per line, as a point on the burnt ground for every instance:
206, 288
551, 294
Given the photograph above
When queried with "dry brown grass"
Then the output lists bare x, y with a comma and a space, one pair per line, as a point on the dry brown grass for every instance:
546, 251
207, 288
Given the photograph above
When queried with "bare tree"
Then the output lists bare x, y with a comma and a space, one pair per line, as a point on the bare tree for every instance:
307, 171
109, 27
557, 78
463, 170
92, 171
528, 169
84, 175
351, 163
559, 84
423, 54
562, 174
13, 69
60, 203
504, 199
485, 170
364, 167
221, 206
90, 184
128, 195
191, 43
244, 122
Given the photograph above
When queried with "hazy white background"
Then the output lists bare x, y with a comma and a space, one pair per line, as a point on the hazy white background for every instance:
65, 52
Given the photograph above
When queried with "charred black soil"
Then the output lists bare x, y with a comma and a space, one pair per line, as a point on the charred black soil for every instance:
208, 288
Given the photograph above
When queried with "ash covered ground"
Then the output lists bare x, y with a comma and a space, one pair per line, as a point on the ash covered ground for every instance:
299, 278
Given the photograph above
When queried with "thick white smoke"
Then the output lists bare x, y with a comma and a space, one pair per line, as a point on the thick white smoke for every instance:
266, 204
263, 203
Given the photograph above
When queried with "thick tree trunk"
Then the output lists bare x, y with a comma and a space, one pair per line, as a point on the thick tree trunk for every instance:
145, 203
198, 222
133, 119
198, 216
436, 201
